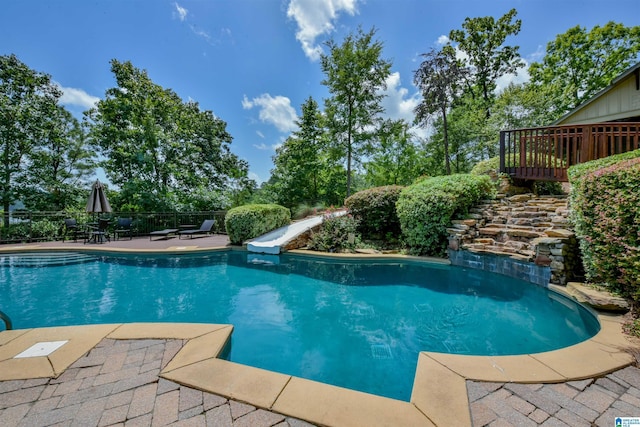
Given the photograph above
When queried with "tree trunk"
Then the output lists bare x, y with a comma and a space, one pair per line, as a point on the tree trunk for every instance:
446, 140
349, 168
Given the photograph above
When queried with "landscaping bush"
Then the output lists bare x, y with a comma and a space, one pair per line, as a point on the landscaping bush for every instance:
249, 221
375, 210
486, 167
45, 229
576, 172
426, 209
336, 234
606, 214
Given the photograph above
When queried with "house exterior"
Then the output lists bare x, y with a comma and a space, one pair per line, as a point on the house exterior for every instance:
606, 124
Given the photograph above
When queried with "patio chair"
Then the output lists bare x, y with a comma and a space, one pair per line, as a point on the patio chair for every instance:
124, 227
71, 227
205, 228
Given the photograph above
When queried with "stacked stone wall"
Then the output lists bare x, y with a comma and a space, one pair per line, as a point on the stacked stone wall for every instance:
525, 229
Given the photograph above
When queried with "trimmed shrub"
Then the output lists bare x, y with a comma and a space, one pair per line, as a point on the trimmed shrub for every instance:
576, 172
249, 221
426, 209
334, 235
485, 167
375, 210
606, 213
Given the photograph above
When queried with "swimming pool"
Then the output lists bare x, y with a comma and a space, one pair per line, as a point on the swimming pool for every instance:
358, 325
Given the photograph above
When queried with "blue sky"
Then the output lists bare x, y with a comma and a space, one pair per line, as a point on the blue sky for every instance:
254, 62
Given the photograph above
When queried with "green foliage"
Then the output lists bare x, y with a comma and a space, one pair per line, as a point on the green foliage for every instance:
426, 209
577, 172
440, 79
158, 147
27, 101
606, 212
25, 229
299, 162
487, 166
375, 210
45, 229
15, 232
397, 159
336, 234
60, 165
355, 76
483, 40
249, 221
579, 63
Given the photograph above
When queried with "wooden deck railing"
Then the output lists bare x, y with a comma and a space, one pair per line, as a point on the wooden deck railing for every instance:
545, 154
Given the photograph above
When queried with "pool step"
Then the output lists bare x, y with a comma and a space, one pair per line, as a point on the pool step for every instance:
35, 259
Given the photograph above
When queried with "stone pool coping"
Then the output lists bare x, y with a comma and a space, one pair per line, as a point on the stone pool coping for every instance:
439, 394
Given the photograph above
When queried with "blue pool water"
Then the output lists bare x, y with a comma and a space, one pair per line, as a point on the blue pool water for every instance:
353, 324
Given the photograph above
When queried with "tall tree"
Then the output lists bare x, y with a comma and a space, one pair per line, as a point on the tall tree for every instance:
300, 159
355, 75
483, 41
27, 99
579, 63
157, 147
439, 79
60, 166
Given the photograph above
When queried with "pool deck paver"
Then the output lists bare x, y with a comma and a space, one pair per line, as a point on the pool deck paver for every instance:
168, 374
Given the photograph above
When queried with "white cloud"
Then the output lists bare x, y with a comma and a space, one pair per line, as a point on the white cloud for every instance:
260, 134
78, 97
254, 176
442, 40
261, 146
399, 104
200, 33
273, 110
522, 77
181, 12
315, 18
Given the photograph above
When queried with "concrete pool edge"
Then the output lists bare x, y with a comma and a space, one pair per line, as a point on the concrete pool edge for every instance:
439, 393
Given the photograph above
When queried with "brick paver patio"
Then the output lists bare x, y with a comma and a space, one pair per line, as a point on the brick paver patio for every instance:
117, 384
591, 402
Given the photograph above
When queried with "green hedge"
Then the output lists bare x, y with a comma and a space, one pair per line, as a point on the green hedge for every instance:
576, 172
605, 205
249, 221
426, 209
375, 210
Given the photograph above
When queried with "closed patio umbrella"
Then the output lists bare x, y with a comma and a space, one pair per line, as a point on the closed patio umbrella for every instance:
98, 202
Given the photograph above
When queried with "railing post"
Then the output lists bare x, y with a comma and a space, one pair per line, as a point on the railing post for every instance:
29, 218
502, 151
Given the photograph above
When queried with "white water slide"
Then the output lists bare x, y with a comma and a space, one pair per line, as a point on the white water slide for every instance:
273, 241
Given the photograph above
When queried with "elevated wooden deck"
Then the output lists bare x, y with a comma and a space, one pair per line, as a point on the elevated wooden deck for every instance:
545, 154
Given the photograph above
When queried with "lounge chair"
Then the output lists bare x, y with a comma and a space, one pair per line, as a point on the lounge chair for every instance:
123, 228
205, 228
163, 233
